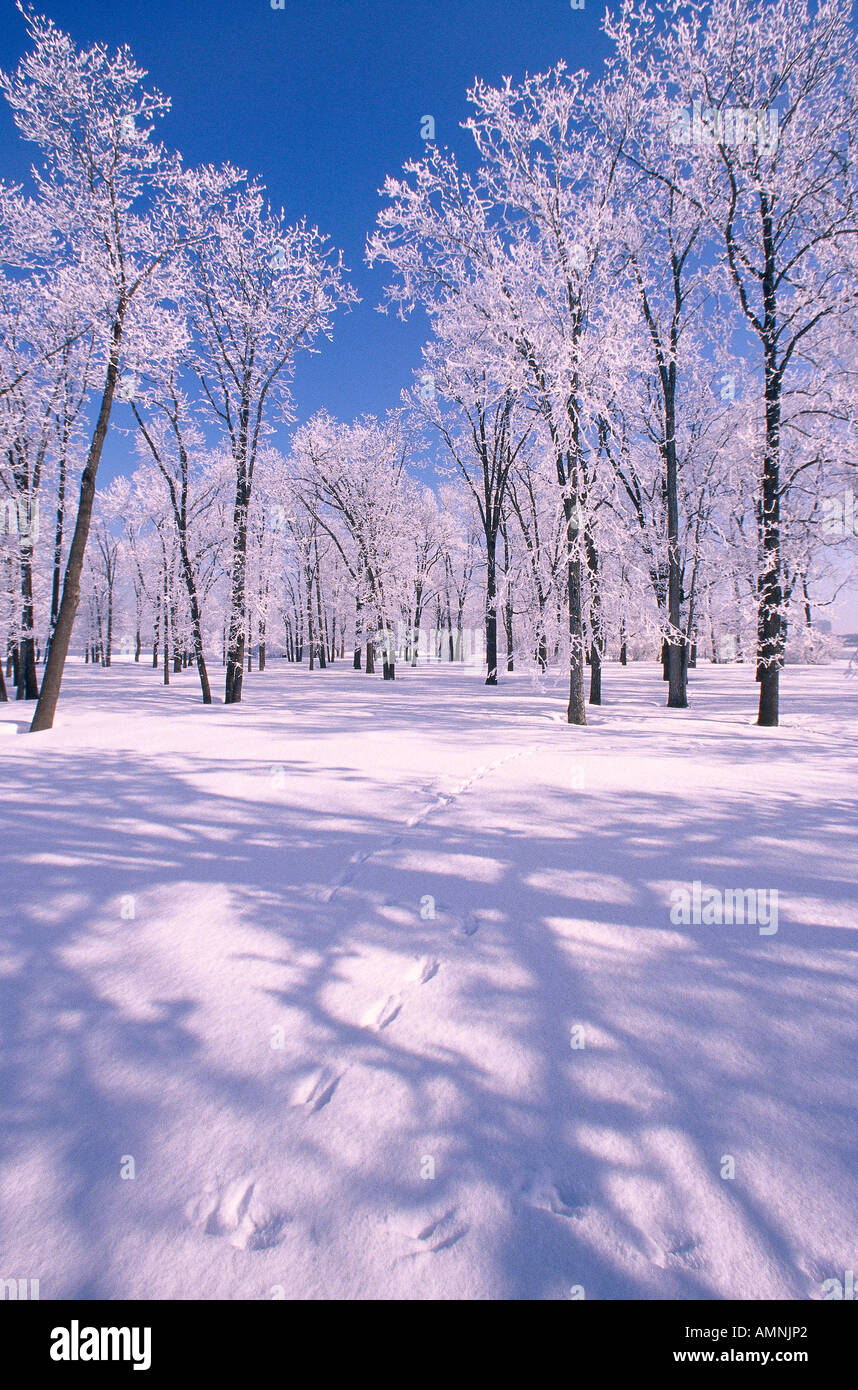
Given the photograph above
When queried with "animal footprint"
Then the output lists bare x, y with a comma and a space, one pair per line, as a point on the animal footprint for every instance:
683, 1252
315, 1088
430, 1231
360, 857
470, 924
382, 1013
560, 1197
423, 970
238, 1213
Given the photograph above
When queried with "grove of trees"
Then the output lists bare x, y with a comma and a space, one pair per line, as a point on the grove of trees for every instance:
631, 434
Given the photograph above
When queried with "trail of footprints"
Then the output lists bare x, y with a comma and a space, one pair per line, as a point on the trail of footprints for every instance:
441, 802
236, 1209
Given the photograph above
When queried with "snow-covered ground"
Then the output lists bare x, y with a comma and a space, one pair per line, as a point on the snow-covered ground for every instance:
296, 955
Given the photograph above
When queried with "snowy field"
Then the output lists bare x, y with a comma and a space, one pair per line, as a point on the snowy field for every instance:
295, 956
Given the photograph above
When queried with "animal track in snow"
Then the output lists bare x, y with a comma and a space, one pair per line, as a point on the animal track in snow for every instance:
683, 1252
470, 924
382, 1013
238, 1212
559, 1196
385, 1010
424, 969
346, 877
442, 800
430, 1230
315, 1088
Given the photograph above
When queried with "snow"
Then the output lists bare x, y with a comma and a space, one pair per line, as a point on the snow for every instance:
220, 959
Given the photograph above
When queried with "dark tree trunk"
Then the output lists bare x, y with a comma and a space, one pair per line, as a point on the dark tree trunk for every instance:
165, 664
388, 657
55, 664
491, 610
770, 618
677, 657
28, 684
508, 606
58, 549
311, 632
596, 625
358, 634
575, 712
237, 620
415, 638
323, 664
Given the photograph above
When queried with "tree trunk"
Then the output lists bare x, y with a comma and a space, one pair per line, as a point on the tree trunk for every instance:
388, 656
770, 622
311, 633
596, 626
323, 664
55, 665
358, 634
28, 684
196, 619
415, 637
166, 662
235, 649
677, 657
508, 606
58, 549
575, 712
491, 610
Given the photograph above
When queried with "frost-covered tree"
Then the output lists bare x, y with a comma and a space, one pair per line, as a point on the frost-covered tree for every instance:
262, 291
109, 238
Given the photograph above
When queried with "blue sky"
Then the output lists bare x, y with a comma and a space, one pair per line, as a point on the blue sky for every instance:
322, 100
